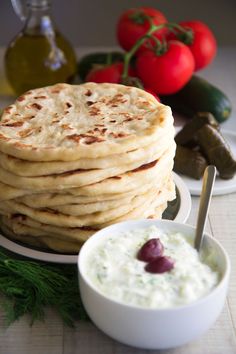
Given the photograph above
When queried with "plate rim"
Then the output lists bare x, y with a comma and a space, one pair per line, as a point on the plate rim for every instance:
217, 190
26, 251
185, 199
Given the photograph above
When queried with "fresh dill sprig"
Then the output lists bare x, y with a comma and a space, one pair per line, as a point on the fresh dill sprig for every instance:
28, 287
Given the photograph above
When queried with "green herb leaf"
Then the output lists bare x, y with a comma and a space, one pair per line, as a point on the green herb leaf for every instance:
28, 287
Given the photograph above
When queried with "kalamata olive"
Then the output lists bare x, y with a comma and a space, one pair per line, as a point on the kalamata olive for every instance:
152, 249
160, 265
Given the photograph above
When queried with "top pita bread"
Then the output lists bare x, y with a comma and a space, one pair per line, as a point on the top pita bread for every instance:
68, 122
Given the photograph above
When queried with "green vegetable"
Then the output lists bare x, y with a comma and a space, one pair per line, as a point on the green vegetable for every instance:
200, 96
28, 287
89, 61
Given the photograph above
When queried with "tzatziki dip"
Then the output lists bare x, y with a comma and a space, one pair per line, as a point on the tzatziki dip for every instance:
114, 270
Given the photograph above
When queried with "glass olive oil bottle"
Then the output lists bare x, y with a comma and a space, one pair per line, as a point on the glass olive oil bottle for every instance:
39, 55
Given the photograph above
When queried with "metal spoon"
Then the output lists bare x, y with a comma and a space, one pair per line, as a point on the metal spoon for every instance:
205, 198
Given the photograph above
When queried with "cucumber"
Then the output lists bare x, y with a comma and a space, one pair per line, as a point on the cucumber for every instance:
198, 95
99, 58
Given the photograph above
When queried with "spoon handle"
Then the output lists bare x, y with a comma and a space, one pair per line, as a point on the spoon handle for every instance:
207, 187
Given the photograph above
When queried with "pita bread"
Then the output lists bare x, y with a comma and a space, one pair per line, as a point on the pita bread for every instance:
42, 200
69, 122
105, 190
124, 183
77, 158
31, 169
64, 233
140, 205
149, 207
37, 237
78, 209
51, 217
72, 179
39, 240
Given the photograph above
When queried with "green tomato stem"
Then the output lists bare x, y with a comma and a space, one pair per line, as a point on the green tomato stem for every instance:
175, 26
136, 46
185, 35
109, 59
160, 47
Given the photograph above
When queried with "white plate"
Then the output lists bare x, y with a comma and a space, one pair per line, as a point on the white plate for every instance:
177, 210
221, 186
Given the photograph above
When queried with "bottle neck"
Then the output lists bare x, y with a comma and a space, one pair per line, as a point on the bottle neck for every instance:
39, 21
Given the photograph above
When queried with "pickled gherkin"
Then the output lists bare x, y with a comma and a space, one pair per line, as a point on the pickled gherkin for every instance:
189, 162
217, 151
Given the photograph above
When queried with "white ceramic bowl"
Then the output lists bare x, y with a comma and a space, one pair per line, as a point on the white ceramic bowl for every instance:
153, 328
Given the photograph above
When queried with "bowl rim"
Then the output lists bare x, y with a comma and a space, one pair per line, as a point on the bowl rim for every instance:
197, 302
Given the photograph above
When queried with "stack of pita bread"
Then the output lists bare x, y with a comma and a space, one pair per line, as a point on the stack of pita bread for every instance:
76, 158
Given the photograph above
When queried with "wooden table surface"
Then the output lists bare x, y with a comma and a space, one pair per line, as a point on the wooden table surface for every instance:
52, 337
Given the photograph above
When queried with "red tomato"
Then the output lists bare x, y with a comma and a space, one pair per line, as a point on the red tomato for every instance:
203, 46
133, 24
152, 93
111, 73
166, 73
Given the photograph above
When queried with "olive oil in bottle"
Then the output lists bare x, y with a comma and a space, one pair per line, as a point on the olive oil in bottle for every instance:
39, 55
